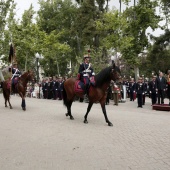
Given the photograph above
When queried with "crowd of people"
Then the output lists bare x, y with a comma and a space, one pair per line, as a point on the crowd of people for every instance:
48, 88
156, 89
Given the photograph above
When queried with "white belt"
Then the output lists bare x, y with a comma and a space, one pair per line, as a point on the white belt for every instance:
85, 75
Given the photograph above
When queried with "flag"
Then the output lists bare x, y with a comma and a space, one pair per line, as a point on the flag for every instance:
11, 53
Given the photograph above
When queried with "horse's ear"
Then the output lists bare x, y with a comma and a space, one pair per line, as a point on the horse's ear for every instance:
113, 64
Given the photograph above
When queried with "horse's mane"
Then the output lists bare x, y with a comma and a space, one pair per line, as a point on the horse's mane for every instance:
104, 75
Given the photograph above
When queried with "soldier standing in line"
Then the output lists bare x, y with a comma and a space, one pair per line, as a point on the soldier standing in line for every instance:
152, 90
168, 86
132, 89
139, 91
116, 92
145, 91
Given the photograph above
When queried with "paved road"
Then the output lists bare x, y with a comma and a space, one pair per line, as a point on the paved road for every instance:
43, 138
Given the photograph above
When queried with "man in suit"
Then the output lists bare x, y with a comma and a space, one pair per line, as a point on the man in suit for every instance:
161, 87
168, 86
139, 91
44, 88
132, 89
54, 85
152, 90
145, 91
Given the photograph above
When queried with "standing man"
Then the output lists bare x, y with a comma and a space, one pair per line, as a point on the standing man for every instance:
132, 89
152, 90
145, 91
54, 88
168, 84
161, 87
139, 91
85, 72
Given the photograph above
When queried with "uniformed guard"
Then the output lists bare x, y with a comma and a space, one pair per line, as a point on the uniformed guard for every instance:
85, 72
139, 91
152, 90
168, 86
132, 88
15, 75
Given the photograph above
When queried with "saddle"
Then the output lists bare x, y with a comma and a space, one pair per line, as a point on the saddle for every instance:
80, 87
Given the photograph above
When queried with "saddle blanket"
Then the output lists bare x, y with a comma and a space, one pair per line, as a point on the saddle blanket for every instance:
79, 86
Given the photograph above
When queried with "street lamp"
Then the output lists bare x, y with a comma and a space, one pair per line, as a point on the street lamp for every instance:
38, 56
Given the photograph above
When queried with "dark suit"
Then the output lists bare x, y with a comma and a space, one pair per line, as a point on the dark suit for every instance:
139, 91
152, 91
144, 93
44, 89
161, 86
132, 89
54, 85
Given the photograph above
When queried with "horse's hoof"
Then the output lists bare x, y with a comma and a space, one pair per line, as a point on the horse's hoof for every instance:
71, 117
11, 107
24, 108
67, 114
85, 121
110, 124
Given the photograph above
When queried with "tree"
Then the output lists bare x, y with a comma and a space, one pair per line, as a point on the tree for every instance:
159, 53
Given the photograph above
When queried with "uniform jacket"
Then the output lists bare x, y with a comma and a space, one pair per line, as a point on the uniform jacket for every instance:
54, 85
139, 88
15, 72
86, 70
152, 86
44, 86
132, 87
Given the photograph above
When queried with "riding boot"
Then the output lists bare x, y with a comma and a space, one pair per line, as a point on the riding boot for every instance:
86, 93
13, 89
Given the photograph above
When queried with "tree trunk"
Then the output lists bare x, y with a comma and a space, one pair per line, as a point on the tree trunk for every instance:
1, 76
136, 70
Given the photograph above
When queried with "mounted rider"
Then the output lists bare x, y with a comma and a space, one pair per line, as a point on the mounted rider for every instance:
15, 75
85, 72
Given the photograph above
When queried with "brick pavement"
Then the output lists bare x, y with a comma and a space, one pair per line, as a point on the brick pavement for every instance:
43, 138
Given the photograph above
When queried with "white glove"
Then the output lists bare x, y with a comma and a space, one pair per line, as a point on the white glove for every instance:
93, 73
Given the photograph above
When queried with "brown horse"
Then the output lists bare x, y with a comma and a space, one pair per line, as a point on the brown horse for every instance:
96, 93
21, 87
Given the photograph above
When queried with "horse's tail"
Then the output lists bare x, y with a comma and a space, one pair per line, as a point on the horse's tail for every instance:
64, 96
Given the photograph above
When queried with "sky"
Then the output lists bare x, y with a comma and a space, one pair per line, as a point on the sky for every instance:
25, 4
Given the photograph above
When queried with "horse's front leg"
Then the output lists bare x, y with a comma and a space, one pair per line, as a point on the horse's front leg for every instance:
9, 103
88, 110
105, 114
23, 105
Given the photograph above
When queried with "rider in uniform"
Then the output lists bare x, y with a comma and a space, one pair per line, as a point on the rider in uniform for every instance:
15, 74
85, 72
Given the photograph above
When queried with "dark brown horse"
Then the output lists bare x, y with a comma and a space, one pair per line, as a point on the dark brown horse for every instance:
21, 87
97, 93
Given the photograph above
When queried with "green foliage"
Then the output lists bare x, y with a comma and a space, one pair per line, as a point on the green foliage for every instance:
159, 54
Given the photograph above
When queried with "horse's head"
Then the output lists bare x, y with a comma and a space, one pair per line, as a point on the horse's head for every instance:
115, 73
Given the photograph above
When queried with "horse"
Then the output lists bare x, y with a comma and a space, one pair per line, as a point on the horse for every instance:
97, 93
20, 87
